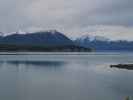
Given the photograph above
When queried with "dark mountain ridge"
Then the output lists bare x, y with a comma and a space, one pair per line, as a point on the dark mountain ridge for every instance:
39, 41
37, 38
104, 44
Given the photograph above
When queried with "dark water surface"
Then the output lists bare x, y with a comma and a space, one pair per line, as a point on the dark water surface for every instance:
78, 76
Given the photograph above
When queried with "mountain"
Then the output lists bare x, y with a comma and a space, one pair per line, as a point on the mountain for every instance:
104, 44
49, 38
39, 41
92, 38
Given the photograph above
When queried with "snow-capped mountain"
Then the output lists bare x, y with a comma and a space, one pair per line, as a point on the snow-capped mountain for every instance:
49, 38
103, 43
92, 38
48, 41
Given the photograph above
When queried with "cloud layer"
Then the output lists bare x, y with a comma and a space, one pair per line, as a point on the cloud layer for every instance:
74, 17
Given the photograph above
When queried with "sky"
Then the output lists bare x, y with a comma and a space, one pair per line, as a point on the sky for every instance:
109, 18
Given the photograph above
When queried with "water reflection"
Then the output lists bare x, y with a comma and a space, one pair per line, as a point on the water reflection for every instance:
37, 63
64, 77
20, 66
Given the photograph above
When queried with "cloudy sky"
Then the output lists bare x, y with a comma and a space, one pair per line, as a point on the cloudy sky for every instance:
110, 18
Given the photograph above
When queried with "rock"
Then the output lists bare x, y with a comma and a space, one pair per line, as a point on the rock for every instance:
123, 66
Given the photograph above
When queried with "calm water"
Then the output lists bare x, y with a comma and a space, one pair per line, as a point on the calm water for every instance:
65, 77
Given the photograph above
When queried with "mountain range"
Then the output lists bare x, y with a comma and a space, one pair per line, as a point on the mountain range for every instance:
47, 38
39, 41
100, 43
53, 40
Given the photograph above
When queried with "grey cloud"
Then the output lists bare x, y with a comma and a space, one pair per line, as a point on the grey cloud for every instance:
66, 15
115, 12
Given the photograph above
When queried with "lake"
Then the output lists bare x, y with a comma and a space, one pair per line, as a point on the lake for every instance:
65, 76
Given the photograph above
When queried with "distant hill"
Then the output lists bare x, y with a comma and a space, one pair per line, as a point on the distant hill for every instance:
104, 44
47, 38
39, 41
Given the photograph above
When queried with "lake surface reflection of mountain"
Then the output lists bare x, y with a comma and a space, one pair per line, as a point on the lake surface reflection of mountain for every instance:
80, 76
